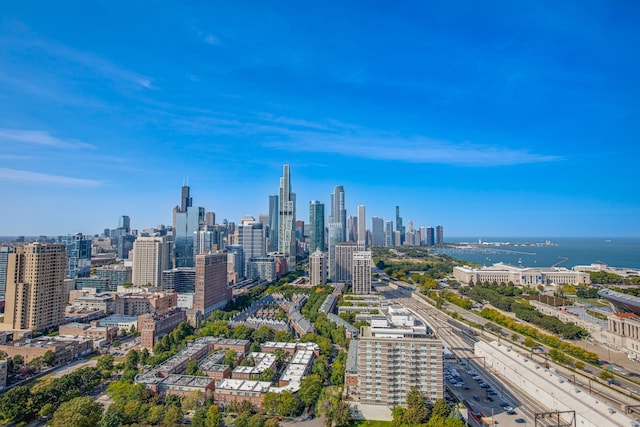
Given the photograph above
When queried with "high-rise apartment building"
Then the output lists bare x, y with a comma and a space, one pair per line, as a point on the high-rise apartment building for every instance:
273, 223
344, 260
361, 272
150, 259
78, 249
439, 235
399, 227
211, 283
388, 233
251, 238
362, 226
287, 220
4, 257
388, 367
430, 239
316, 229
318, 268
338, 211
35, 293
377, 231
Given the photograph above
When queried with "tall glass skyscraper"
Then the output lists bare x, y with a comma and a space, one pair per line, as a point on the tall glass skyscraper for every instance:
377, 231
316, 231
273, 223
399, 226
187, 221
338, 212
78, 248
287, 244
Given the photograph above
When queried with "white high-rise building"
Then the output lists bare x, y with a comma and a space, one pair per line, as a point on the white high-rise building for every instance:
362, 226
318, 268
150, 259
344, 260
287, 220
361, 272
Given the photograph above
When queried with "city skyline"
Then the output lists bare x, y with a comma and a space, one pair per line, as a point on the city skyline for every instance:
492, 120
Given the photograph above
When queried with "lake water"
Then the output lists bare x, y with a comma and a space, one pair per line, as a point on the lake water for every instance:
615, 252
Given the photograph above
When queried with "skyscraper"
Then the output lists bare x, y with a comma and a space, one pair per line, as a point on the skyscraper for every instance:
251, 238
430, 239
273, 223
377, 231
211, 283
78, 248
4, 258
210, 219
185, 198
344, 260
352, 228
125, 224
361, 272
388, 233
35, 294
338, 211
335, 236
362, 226
287, 220
318, 268
150, 259
439, 235
399, 226
316, 232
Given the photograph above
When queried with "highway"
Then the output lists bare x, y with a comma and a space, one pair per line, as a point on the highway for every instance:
459, 344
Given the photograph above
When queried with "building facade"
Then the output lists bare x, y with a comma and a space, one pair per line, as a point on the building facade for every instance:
211, 283
361, 272
318, 268
287, 219
387, 369
316, 231
150, 259
344, 260
36, 293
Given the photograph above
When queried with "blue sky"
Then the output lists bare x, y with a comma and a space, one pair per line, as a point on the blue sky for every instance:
489, 118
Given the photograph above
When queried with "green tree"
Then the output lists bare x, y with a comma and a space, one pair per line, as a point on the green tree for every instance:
256, 420
263, 334
173, 416
607, 376
105, 362
310, 388
111, 419
18, 360
282, 336
342, 414
78, 412
440, 408
288, 405
417, 411
529, 342
270, 403
132, 360
271, 422
49, 358
230, 358
267, 375
192, 367
214, 417
199, 418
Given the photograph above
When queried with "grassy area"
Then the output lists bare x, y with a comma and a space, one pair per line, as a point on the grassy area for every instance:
368, 423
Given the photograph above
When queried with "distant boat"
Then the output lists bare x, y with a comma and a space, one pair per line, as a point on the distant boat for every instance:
608, 241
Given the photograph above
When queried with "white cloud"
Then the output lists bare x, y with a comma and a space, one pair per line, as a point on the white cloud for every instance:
212, 40
41, 178
39, 137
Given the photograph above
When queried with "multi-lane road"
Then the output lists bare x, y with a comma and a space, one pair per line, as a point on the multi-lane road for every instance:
459, 344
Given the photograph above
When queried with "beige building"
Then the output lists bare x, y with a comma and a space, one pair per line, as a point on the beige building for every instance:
388, 367
136, 304
82, 330
361, 272
503, 273
150, 259
318, 268
344, 260
65, 349
36, 293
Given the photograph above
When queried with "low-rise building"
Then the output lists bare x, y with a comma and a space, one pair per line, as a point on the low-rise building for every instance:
262, 361
154, 326
504, 273
118, 321
65, 349
183, 385
229, 390
82, 330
